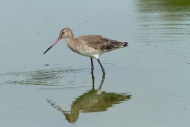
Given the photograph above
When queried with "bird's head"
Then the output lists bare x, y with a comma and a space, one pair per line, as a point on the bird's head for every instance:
64, 33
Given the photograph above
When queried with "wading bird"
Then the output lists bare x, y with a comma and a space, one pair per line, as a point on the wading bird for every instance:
89, 45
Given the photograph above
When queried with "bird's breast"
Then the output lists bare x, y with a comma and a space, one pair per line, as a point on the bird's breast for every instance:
84, 50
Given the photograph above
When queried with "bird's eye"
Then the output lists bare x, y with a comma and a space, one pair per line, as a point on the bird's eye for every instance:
62, 32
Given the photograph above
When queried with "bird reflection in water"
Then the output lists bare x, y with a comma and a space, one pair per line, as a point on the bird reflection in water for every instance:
91, 101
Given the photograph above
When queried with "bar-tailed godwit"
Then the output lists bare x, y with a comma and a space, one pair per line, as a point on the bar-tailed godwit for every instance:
90, 45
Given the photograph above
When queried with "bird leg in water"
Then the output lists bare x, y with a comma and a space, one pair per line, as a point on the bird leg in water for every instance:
101, 66
92, 66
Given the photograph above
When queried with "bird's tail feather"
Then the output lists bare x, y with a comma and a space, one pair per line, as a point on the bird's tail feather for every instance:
125, 44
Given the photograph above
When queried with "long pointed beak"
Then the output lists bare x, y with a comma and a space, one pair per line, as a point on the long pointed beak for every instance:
58, 39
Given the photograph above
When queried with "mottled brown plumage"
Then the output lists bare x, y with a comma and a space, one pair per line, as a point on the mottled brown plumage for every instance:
90, 45
100, 43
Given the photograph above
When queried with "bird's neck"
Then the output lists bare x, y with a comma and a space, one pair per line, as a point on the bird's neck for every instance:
68, 39
71, 43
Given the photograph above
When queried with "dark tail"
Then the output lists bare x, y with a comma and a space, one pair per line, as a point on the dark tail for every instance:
116, 44
125, 44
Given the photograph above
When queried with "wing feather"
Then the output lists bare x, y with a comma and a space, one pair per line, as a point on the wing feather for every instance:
100, 43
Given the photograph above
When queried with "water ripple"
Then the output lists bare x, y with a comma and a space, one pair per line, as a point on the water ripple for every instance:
50, 77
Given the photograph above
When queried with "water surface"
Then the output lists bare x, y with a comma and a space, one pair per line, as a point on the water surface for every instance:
146, 84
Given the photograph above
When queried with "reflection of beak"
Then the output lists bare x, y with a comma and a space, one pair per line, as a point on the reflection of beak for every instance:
58, 39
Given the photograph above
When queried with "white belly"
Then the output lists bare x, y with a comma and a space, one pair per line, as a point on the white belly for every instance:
87, 53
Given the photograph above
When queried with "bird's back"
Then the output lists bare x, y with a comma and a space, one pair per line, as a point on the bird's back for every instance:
100, 43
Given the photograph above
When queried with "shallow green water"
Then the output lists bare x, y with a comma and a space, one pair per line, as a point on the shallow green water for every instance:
146, 84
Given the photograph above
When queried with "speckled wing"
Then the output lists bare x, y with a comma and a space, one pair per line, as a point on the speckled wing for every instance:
100, 43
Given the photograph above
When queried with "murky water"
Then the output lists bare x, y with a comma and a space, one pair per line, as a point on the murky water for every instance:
146, 84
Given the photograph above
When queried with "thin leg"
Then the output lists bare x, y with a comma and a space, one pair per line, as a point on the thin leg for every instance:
102, 82
93, 81
92, 66
101, 66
